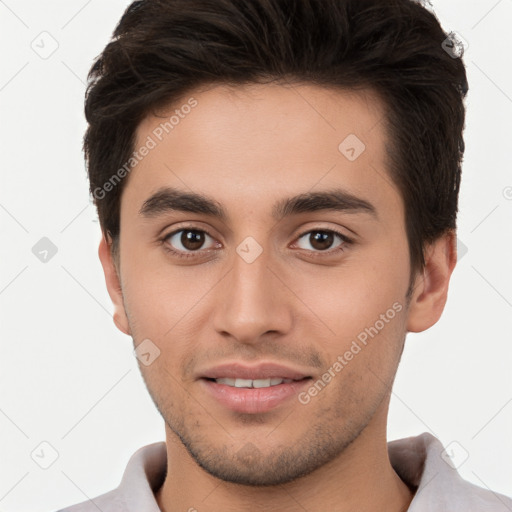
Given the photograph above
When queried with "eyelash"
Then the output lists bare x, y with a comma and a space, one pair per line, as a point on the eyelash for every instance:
192, 254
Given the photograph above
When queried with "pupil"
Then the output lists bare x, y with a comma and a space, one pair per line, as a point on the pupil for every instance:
322, 240
192, 239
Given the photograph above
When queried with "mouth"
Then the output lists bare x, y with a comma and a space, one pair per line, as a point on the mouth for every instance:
264, 374
253, 390
244, 395
253, 383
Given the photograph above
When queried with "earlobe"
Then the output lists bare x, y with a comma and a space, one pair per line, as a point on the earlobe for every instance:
113, 283
431, 287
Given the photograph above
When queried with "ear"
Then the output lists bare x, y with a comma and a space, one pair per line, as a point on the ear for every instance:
430, 289
113, 283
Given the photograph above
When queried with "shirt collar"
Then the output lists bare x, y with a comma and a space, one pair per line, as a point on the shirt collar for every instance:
423, 463
143, 476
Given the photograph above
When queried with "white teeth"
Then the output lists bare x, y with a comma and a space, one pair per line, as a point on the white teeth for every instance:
243, 383
261, 383
248, 383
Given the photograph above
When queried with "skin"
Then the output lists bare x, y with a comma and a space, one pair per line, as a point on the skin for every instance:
296, 304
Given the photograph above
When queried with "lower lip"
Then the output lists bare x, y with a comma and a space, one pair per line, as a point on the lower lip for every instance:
253, 400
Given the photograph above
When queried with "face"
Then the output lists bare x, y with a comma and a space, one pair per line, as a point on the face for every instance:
261, 240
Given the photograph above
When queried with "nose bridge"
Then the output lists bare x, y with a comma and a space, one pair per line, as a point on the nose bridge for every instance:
251, 301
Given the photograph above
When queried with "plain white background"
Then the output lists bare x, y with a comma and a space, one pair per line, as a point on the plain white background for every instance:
69, 378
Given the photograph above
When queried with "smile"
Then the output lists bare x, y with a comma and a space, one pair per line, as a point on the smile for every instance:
252, 383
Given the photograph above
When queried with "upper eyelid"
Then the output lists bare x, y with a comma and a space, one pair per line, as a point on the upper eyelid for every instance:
165, 236
344, 238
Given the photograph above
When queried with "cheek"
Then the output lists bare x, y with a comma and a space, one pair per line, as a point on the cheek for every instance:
167, 306
160, 296
349, 301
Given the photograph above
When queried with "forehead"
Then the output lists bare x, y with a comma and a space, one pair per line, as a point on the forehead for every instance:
263, 141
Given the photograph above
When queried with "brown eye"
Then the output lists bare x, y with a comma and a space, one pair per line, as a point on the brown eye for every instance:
192, 240
321, 240
187, 239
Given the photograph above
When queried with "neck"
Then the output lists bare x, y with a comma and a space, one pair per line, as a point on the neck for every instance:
361, 478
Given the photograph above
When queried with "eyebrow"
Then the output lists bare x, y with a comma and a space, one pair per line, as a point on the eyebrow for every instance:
169, 199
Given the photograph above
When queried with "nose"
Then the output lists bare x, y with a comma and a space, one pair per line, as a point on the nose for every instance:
252, 301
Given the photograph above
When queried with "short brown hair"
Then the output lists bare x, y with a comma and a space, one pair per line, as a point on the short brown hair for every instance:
161, 49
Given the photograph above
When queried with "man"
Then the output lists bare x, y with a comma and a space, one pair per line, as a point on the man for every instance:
277, 185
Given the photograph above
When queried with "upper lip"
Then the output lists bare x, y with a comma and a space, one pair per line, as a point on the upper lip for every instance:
260, 371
